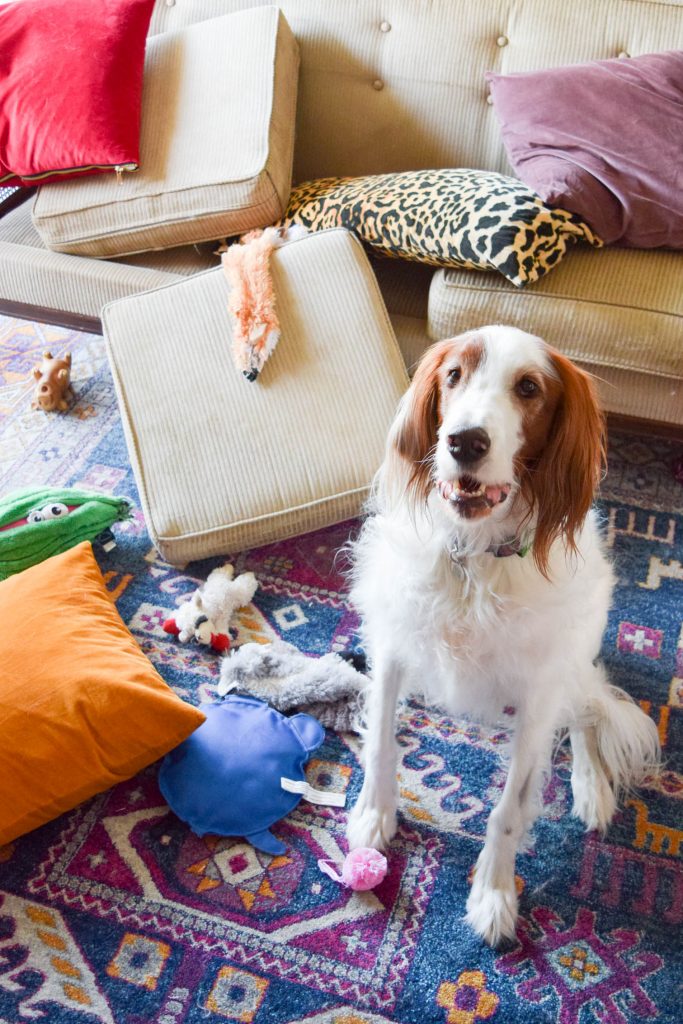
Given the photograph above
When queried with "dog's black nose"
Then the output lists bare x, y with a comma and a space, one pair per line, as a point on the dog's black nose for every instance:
469, 445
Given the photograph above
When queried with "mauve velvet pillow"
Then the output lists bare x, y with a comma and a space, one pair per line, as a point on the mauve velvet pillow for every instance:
604, 140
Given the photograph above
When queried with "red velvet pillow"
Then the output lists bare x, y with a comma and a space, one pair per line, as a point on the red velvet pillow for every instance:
70, 87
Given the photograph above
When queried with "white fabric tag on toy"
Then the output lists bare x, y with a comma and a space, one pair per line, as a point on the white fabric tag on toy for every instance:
315, 796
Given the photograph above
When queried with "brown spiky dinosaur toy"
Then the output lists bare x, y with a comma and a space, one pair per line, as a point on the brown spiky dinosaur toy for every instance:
53, 383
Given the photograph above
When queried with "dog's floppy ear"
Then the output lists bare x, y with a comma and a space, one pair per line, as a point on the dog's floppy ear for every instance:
414, 433
569, 467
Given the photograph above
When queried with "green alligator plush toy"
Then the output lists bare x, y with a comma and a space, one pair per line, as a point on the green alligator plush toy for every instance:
44, 521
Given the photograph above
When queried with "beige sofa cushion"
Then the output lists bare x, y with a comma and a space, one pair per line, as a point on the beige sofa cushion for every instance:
400, 84
223, 464
216, 145
614, 309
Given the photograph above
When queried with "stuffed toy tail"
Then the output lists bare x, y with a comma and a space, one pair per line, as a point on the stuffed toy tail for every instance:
256, 328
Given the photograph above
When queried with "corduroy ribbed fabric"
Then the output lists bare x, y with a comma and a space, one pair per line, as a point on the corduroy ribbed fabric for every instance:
17, 227
391, 85
616, 307
616, 311
31, 274
216, 145
222, 463
71, 284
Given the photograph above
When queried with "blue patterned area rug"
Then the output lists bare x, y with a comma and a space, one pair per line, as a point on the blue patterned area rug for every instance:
116, 913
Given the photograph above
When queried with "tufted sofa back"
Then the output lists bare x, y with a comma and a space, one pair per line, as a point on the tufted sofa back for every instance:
399, 84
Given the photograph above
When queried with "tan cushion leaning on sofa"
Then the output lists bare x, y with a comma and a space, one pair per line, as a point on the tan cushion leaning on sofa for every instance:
216, 146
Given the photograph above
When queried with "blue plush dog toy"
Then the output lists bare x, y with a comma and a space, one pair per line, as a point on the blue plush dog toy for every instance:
242, 770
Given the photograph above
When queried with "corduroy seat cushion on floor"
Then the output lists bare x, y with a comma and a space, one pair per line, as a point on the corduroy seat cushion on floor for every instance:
216, 144
617, 312
223, 464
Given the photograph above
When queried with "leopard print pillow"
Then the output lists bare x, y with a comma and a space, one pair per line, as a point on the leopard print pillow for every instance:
447, 218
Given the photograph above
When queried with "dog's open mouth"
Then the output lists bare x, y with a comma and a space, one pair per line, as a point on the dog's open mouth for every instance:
470, 497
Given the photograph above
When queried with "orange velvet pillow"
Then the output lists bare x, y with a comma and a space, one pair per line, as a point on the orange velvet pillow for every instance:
81, 707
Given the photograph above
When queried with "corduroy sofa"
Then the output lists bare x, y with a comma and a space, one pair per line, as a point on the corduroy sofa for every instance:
389, 85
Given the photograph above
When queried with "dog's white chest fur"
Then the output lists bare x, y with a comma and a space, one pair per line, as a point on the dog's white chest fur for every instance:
470, 631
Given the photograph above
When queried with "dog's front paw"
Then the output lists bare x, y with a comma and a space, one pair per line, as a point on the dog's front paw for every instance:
370, 825
492, 913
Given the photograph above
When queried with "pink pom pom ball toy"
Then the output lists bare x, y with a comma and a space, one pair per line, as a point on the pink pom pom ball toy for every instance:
362, 869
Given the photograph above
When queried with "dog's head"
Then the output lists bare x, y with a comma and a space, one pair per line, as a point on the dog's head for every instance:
496, 417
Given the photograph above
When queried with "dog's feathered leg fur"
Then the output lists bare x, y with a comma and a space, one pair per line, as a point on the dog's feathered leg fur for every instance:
372, 822
612, 754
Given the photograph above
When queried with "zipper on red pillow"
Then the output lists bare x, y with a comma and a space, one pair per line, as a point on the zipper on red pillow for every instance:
117, 168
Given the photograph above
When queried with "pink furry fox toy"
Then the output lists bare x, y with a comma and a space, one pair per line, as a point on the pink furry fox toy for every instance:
256, 328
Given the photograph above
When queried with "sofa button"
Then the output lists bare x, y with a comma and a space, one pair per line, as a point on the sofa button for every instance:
622, 54
502, 41
378, 84
385, 27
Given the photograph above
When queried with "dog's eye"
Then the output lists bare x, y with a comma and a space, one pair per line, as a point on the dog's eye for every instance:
526, 387
454, 376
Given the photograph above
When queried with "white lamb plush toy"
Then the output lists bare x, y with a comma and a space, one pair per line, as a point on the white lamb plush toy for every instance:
206, 617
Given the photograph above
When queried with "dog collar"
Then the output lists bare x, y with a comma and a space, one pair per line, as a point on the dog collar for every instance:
510, 547
520, 546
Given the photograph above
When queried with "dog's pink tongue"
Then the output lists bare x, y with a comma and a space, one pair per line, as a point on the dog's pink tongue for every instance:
497, 494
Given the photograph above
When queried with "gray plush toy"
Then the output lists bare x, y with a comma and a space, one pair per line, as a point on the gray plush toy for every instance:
328, 688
